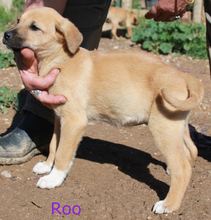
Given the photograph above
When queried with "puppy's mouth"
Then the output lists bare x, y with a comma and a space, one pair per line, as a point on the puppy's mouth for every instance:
13, 43
17, 50
13, 46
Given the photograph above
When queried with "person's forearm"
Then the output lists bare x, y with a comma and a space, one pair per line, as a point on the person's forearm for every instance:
58, 5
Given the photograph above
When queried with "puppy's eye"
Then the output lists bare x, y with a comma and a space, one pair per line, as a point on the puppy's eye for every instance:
18, 21
34, 27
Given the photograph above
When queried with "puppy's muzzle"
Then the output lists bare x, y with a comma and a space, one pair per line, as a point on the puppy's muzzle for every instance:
12, 41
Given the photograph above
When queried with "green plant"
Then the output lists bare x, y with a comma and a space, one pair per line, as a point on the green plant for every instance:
8, 19
136, 4
19, 5
172, 37
6, 60
7, 99
12, 99
5, 18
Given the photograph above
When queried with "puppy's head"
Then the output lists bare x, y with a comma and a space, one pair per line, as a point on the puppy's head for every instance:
42, 29
134, 19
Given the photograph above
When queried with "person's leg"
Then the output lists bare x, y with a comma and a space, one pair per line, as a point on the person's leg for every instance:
34, 133
89, 17
200, 140
207, 8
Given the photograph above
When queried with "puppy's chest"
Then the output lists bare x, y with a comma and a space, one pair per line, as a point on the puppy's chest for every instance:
75, 92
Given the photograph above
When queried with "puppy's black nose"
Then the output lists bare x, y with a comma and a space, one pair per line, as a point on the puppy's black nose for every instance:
8, 35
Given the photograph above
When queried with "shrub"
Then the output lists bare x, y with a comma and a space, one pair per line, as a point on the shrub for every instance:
6, 60
9, 98
172, 37
8, 19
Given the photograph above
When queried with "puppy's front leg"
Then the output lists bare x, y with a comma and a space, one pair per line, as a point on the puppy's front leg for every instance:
114, 31
129, 30
46, 166
71, 133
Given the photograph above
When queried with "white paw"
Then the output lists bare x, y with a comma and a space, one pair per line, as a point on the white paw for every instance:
41, 168
52, 180
159, 208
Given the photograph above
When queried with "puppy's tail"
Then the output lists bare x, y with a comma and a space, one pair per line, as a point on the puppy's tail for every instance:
196, 92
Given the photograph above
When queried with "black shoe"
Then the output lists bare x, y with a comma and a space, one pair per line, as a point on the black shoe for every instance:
31, 137
200, 140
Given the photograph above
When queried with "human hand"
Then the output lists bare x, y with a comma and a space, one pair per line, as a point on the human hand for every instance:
166, 10
27, 65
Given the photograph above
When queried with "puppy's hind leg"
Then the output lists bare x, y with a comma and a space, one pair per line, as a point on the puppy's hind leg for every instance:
46, 166
168, 135
70, 136
191, 148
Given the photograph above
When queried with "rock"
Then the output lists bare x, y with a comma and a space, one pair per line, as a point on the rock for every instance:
6, 174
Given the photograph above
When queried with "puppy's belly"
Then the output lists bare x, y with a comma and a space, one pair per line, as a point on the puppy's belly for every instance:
119, 117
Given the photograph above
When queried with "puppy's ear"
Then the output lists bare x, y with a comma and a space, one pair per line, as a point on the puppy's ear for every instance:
71, 34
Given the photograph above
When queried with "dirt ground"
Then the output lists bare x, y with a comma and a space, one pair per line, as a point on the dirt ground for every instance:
118, 173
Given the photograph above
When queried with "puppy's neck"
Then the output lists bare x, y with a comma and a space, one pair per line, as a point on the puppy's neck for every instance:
50, 60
